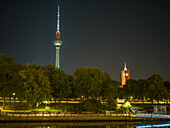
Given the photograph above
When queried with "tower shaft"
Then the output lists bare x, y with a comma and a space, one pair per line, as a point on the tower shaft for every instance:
57, 64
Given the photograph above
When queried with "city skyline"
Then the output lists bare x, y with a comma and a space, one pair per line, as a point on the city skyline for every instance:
94, 33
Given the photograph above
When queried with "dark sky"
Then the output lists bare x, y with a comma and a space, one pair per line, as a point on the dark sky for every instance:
96, 33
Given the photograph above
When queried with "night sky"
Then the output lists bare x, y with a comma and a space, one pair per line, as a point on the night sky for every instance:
96, 33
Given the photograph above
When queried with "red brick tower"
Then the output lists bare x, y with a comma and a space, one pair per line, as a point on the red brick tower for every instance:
125, 75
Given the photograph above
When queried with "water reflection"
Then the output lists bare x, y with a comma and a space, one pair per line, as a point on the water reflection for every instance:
74, 125
69, 125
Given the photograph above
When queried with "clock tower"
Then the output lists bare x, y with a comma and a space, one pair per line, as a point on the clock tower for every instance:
125, 75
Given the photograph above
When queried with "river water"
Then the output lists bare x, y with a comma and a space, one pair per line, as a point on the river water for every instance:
79, 125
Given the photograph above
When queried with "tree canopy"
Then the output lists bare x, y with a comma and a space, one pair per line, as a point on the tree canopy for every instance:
59, 82
93, 82
35, 83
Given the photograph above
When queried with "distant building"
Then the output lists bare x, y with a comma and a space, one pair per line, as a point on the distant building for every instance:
125, 75
159, 108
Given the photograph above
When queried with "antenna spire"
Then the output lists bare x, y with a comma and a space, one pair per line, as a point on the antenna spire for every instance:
125, 67
58, 20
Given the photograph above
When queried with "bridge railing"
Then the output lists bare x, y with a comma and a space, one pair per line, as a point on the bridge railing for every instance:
152, 115
42, 114
54, 114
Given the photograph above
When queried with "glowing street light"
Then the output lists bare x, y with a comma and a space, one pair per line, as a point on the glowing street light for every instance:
14, 99
46, 103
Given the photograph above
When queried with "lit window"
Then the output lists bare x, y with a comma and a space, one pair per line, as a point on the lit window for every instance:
126, 74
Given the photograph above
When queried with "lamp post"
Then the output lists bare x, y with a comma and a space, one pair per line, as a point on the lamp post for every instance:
14, 99
46, 103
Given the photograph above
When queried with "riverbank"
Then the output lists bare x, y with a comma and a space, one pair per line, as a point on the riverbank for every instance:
48, 124
28, 116
81, 119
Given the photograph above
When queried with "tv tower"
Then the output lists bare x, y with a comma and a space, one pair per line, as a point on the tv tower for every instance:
58, 40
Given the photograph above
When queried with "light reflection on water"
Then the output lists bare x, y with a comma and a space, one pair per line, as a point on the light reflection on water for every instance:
69, 125
73, 125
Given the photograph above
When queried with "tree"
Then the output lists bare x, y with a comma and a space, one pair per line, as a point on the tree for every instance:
127, 106
155, 87
139, 89
129, 88
95, 85
9, 79
88, 82
121, 92
59, 82
71, 88
93, 105
36, 84
109, 87
167, 87
6, 59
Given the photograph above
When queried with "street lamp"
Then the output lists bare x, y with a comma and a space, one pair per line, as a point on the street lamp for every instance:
14, 99
46, 103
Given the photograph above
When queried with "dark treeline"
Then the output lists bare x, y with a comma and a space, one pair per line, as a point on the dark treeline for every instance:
153, 88
34, 84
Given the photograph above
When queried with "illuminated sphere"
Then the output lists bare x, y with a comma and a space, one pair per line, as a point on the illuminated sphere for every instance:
57, 42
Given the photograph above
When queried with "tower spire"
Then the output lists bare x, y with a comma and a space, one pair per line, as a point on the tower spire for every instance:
125, 67
58, 20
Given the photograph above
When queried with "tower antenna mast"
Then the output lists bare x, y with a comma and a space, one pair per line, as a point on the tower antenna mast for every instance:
58, 20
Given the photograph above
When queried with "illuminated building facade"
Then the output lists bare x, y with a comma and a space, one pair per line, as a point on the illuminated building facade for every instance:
125, 75
58, 40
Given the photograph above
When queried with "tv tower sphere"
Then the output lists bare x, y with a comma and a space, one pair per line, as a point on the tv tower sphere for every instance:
58, 42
